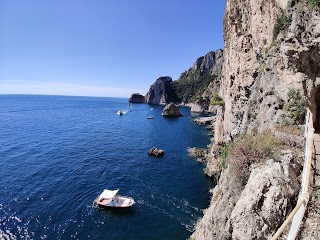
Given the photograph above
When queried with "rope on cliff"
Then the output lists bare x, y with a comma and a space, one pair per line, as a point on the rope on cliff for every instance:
297, 213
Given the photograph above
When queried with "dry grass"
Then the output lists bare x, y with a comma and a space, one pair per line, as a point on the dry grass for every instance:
251, 148
292, 130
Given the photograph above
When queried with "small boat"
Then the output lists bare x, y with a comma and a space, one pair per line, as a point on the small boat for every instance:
150, 117
119, 112
110, 198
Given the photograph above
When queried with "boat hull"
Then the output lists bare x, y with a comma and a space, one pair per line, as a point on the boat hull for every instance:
119, 202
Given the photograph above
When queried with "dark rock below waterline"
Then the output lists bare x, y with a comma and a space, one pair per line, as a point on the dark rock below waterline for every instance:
156, 152
171, 110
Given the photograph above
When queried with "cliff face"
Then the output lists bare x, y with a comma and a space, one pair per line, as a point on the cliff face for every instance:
254, 211
271, 46
136, 98
161, 92
194, 86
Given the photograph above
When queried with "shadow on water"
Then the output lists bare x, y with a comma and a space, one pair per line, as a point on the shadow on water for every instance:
118, 212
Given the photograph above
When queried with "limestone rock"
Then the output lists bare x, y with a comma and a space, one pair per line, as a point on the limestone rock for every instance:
265, 201
204, 120
171, 110
156, 152
259, 69
136, 98
253, 211
193, 88
160, 92
198, 153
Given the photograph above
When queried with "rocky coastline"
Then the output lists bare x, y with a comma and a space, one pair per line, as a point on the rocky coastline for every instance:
258, 89
269, 60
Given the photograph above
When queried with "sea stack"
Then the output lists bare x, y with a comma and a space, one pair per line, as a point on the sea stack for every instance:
171, 110
136, 98
161, 92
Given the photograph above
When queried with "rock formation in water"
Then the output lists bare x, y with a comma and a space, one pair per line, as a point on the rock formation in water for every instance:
194, 86
271, 57
171, 110
156, 152
136, 98
161, 92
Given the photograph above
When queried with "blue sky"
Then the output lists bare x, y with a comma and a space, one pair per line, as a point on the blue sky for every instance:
108, 48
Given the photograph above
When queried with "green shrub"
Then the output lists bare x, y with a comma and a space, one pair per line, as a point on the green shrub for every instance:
216, 100
251, 148
282, 20
273, 44
296, 107
262, 66
190, 87
313, 3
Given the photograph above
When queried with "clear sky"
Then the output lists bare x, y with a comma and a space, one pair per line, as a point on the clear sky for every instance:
108, 48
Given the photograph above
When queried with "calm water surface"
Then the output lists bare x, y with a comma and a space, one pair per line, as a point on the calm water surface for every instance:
58, 153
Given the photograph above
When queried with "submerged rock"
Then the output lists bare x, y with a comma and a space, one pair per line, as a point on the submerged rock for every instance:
156, 152
171, 110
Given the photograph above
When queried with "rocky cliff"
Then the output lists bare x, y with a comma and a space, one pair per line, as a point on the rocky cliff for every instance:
270, 48
271, 57
194, 86
136, 98
161, 92
253, 211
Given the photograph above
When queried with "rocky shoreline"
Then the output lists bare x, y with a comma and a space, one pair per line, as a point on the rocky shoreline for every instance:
270, 52
259, 85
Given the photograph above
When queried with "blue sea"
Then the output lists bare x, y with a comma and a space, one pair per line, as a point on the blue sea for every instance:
57, 154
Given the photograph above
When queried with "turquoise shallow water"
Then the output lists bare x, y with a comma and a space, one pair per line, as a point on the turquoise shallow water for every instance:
58, 153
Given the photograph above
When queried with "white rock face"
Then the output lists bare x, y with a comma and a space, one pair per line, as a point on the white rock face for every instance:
258, 71
256, 210
265, 201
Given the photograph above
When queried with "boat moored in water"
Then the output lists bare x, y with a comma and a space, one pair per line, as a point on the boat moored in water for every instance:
150, 117
110, 198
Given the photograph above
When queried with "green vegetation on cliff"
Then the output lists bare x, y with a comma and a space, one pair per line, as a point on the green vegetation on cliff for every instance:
190, 88
280, 24
250, 148
295, 107
313, 3
216, 100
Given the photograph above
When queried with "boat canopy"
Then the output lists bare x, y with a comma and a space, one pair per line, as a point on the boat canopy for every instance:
109, 193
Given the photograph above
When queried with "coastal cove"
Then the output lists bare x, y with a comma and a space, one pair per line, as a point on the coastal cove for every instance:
58, 153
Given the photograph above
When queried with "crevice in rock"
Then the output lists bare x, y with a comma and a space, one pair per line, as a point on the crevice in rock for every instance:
308, 62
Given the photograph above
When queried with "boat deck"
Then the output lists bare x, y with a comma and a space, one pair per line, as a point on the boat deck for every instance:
116, 202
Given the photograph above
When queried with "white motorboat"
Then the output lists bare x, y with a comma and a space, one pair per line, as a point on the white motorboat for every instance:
110, 198
120, 112
150, 117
